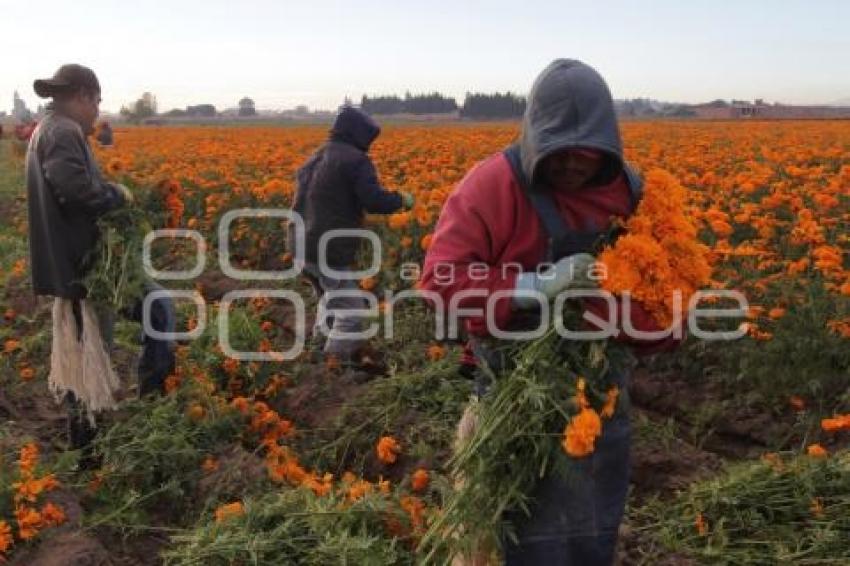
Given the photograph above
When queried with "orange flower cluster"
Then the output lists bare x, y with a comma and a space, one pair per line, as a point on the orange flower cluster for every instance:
837, 423
29, 518
228, 511
660, 252
419, 480
388, 449
585, 427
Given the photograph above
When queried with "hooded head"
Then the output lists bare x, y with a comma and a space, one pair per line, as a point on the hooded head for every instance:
355, 127
570, 107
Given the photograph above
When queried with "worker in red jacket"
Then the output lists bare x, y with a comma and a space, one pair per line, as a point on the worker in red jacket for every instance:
547, 199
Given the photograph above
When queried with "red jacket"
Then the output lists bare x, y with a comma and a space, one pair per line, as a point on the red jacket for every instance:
488, 219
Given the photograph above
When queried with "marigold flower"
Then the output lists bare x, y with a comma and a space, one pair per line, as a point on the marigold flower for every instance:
52, 514
29, 522
797, 403
837, 423
701, 525
581, 433
11, 345
6, 539
388, 449
419, 479
228, 511
817, 451
436, 352
196, 412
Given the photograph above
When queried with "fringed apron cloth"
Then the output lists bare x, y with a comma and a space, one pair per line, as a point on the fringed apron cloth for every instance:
79, 362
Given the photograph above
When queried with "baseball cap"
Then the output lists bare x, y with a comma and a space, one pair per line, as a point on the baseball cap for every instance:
68, 79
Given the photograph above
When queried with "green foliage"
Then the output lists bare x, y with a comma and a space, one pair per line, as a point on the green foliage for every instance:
517, 439
151, 458
792, 511
294, 526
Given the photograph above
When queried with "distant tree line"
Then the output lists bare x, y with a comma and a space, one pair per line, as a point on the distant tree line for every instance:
475, 105
432, 103
479, 105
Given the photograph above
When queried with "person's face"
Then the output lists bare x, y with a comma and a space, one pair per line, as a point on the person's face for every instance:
85, 108
569, 170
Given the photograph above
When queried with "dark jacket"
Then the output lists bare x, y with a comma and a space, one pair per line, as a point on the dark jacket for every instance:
66, 194
338, 185
105, 136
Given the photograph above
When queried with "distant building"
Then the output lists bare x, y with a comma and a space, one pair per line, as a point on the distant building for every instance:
246, 107
20, 111
201, 110
740, 109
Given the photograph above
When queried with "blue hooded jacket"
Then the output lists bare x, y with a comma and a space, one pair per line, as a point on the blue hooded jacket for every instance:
338, 185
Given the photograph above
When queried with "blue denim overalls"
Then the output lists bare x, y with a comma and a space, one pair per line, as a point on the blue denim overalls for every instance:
574, 517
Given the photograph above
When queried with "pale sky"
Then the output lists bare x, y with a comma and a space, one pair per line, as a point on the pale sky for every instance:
282, 53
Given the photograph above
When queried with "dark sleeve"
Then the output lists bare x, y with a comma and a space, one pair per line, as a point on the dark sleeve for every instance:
302, 181
74, 183
374, 198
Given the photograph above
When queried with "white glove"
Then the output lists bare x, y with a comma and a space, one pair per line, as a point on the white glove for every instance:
125, 193
571, 272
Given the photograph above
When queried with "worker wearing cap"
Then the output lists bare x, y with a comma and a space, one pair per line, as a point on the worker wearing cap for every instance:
66, 195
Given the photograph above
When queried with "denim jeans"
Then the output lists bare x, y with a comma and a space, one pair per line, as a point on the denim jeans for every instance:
575, 516
155, 364
575, 513
334, 313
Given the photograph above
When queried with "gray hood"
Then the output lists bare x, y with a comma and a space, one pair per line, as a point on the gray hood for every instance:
570, 106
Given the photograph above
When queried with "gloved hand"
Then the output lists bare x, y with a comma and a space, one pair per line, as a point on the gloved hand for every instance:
407, 200
570, 272
125, 193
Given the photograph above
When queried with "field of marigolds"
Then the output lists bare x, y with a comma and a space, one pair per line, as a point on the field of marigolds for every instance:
740, 452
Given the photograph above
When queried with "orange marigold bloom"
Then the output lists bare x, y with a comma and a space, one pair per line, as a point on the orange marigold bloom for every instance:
229, 510
581, 433
388, 449
28, 458
6, 539
837, 423
701, 525
26, 373
436, 352
817, 451
29, 522
419, 479
368, 283
196, 412
797, 403
425, 242
11, 345
53, 515
241, 404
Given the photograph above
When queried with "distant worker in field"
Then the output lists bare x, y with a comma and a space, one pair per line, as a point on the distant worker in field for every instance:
66, 195
335, 189
105, 137
547, 200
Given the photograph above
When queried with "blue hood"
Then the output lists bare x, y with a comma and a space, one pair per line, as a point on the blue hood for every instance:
355, 128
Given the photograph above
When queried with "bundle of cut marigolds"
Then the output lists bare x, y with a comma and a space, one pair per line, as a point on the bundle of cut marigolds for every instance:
551, 406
